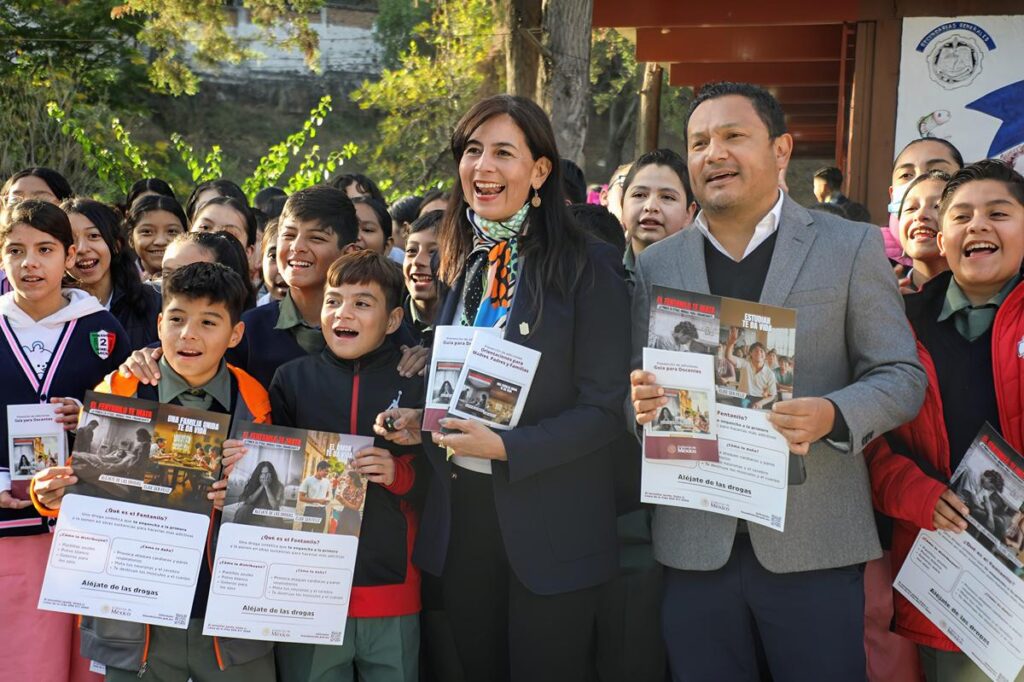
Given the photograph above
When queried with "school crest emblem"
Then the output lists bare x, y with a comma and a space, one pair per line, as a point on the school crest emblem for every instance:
954, 52
102, 343
955, 61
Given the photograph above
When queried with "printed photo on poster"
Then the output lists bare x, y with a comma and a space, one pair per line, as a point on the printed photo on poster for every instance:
683, 324
756, 359
991, 483
144, 452
687, 413
447, 375
299, 480
489, 398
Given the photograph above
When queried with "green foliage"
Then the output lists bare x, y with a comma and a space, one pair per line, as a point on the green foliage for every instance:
614, 71
118, 169
79, 42
110, 169
312, 169
207, 169
171, 27
395, 25
424, 97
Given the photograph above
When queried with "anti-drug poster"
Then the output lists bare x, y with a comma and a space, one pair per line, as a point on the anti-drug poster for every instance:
971, 584
130, 535
961, 79
288, 539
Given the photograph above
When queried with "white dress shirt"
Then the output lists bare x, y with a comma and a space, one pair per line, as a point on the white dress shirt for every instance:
765, 228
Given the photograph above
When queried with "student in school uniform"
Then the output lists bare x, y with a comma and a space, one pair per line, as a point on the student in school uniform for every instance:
344, 389
317, 226
55, 344
969, 323
201, 318
105, 267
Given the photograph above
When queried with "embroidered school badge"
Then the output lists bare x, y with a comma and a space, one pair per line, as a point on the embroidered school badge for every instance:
102, 343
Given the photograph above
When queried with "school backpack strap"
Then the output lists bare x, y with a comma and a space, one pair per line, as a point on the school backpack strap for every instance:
255, 397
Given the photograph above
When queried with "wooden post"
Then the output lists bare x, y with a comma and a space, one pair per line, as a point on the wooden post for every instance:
650, 109
873, 114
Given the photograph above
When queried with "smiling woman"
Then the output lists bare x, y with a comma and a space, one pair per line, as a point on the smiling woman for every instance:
519, 526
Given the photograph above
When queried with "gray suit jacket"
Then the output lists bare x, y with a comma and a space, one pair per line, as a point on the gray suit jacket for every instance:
853, 346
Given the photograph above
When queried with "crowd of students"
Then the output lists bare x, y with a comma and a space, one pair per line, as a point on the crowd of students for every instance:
525, 554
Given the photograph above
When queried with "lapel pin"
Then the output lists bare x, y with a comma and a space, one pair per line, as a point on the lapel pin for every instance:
524, 329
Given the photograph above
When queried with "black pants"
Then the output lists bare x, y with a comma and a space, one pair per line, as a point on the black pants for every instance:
629, 643
811, 623
500, 629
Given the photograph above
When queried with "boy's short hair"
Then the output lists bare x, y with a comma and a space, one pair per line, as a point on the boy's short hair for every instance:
986, 169
212, 281
406, 209
40, 215
832, 176
661, 157
328, 206
428, 221
369, 267
323, 464
381, 211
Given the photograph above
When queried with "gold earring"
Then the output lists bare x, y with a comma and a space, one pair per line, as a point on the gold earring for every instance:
535, 201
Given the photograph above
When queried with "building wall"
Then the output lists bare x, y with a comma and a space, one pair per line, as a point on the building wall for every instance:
347, 48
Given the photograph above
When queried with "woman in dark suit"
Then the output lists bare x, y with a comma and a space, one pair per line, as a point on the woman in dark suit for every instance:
519, 525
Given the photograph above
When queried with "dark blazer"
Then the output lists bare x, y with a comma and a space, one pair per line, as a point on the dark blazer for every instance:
555, 495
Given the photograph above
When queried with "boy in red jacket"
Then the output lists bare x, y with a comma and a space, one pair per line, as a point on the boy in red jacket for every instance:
969, 324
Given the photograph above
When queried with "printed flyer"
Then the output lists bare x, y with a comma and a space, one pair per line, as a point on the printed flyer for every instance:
286, 550
494, 382
35, 441
971, 584
451, 344
752, 349
130, 536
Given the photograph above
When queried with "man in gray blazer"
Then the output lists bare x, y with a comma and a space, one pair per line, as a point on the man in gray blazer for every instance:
732, 588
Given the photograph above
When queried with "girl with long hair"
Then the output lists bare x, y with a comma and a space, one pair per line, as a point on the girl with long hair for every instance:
105, 267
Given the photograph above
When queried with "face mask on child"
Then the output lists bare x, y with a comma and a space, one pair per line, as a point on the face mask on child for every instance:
897, 198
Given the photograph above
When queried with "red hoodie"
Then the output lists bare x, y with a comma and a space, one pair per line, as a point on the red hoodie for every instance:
900, 486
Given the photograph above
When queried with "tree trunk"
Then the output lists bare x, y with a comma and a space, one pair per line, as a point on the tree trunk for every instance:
619, 129
522, 53
650, 110
564, 85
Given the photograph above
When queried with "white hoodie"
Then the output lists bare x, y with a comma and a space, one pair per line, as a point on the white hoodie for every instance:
39, 338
